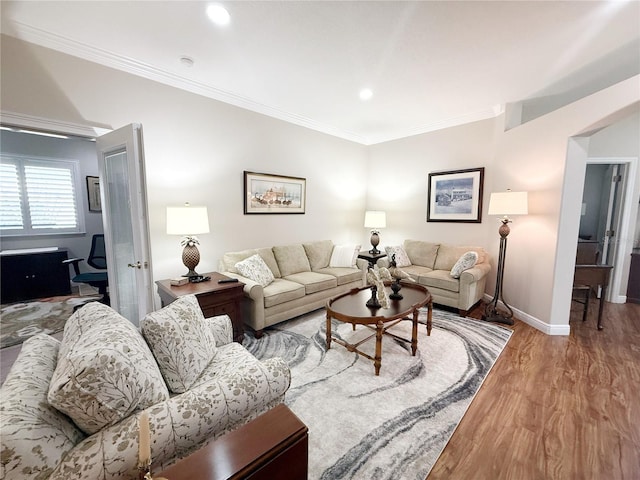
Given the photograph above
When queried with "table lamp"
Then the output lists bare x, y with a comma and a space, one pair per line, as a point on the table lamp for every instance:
504, 204
188, 221
375, 220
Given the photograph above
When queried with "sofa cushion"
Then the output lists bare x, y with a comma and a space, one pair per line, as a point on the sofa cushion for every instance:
448, 255
35, 436
270, 260
402, 259
465, 262
255, 269
344, 255
440, 279
313, 281
105, 370
318, 253
181, 341
281, 291
291, 259
422, 253
230, 259
343, 275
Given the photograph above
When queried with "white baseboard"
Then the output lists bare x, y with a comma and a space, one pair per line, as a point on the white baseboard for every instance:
535, 322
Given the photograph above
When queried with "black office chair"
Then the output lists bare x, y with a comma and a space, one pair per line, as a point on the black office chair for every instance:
97, 259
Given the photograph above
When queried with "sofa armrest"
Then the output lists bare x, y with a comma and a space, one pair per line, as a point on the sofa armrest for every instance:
180, 425
474, 274
383, 262
254, 292
222, 329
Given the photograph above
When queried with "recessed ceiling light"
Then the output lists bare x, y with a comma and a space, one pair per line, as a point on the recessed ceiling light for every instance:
366, 94
218, 14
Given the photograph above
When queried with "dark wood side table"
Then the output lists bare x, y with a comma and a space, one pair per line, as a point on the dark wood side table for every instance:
214, 298
370, 257
273, 446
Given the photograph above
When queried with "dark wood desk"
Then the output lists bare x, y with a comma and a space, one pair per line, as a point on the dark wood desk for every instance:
273, 446
214, 298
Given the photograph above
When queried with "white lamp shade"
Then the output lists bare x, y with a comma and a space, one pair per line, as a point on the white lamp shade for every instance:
187, 220
508, 203
375, 219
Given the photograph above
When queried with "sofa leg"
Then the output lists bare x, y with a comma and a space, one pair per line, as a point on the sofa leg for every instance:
258, 333
463, 313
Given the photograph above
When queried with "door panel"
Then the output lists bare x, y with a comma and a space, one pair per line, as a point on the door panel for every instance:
125, 218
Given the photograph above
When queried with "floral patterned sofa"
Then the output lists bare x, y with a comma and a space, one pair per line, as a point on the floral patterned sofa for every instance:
70, 409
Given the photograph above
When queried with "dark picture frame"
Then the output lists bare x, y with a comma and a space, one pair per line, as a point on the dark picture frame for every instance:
455, 196
93, 194
265, 193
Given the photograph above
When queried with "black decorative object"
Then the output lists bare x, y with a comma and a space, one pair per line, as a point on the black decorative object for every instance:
373, 301
395, 286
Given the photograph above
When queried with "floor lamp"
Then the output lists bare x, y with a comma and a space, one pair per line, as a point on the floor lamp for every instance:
504, 204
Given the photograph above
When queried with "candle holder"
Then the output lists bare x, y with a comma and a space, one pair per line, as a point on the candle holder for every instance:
373, 301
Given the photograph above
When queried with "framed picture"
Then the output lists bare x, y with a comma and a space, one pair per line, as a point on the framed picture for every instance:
93, 193
455, 196
266, 193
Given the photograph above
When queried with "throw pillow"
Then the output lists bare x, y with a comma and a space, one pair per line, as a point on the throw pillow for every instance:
256, 269
402, 259
344, 255
105, 370
465, 262
181, 341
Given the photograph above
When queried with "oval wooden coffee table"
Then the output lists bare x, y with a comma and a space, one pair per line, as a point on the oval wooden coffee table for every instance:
351, 308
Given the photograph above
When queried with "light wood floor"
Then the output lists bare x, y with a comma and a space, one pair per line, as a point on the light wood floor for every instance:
556, 407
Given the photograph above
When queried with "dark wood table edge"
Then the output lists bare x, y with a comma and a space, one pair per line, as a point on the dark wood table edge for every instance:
232, 456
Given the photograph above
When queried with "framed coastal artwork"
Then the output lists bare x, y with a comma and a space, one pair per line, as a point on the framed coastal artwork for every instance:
265, 193
455, 196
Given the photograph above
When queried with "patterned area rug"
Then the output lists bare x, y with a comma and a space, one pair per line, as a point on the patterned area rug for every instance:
19, 321
393, 426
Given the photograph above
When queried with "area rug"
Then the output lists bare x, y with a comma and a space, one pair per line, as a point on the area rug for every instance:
393, 426
19, 321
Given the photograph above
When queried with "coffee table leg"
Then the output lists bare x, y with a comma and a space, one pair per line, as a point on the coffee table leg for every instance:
429, 317
328, 331
414, 333
377, 363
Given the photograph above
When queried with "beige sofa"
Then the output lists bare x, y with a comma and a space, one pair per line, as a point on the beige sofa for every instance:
305, 276
431, 264
70, 409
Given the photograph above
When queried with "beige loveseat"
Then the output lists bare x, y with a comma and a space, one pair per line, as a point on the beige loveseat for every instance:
300, 278
70, 409
430, 264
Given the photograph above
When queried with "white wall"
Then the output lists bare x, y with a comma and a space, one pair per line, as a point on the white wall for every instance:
398, 182
196, 150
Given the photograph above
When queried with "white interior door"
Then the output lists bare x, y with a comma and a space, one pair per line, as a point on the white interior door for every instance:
125, 218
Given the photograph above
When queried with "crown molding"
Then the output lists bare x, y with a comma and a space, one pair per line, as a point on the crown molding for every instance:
21, 120
106, 58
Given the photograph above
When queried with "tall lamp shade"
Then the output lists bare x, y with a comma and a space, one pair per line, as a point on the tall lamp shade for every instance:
188, 221
375, 220
504, 204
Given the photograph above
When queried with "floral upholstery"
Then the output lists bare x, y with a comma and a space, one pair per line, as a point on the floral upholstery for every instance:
43, 436
180, 341
39, 442
105, 370
256, 269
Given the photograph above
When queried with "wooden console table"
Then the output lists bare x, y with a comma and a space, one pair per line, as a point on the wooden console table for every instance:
214, 298
273, 446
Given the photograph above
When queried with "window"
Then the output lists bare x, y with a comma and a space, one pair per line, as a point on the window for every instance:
38, 196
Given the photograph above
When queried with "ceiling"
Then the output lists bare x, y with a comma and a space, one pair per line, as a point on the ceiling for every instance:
430, 65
